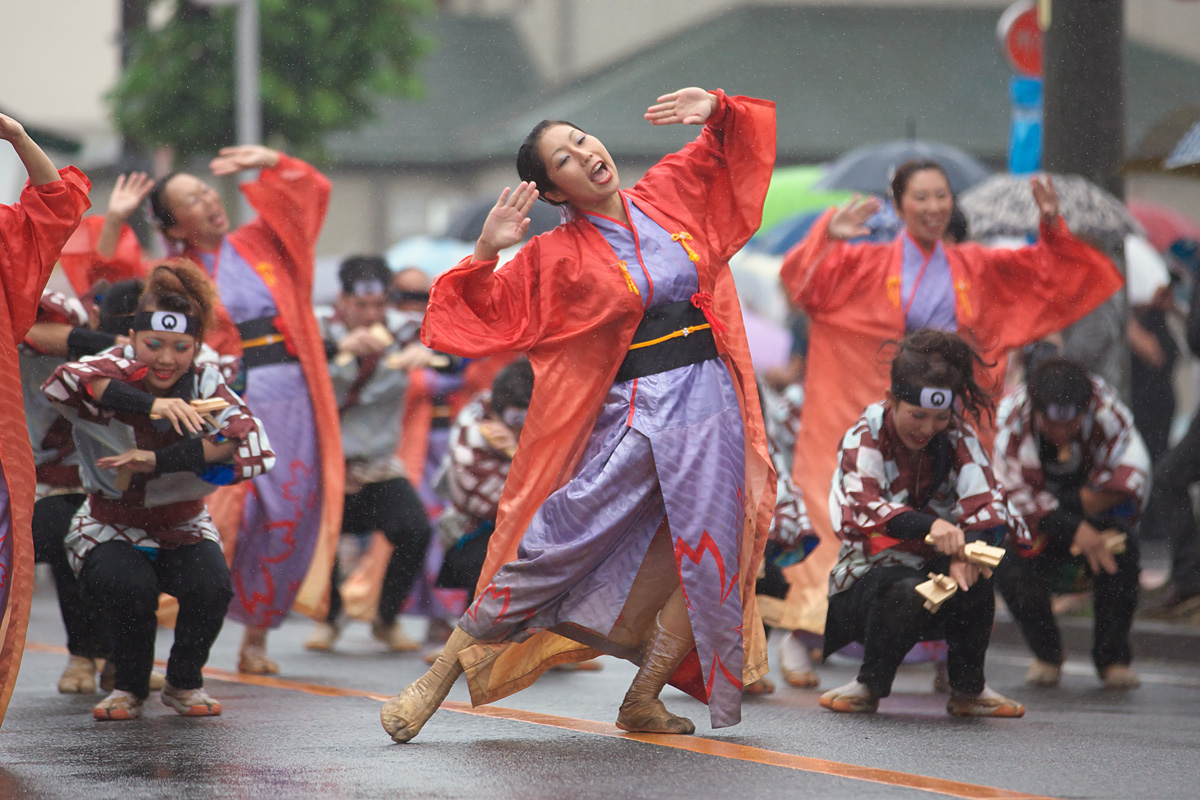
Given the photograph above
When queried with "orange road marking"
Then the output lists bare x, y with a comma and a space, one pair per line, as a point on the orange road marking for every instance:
693, 744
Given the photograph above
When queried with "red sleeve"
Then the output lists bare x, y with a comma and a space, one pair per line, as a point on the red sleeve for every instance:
291, 199
32, 234
1034, 291
84, 266
722, 177
822, 273
476, 310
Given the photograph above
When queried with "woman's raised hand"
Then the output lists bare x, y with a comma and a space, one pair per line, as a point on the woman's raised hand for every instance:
1046, 197
128, 193
245, 156
850, 220
691, 106
10, 129
507, 222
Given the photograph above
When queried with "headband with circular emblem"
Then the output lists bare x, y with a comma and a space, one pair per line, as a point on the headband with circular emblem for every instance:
167, 322
934, 397
367, 287
1060, 412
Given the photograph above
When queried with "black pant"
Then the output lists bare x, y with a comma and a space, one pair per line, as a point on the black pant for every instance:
1026, 583
883, 611
393, 507
463, 563
51, 521
1169, 513
126, 583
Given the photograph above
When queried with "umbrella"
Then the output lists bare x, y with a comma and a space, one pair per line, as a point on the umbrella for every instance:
427, 253
1164, 226
1186, 152
466, 225
1158, 142
870, 168
792, 192
1003, 205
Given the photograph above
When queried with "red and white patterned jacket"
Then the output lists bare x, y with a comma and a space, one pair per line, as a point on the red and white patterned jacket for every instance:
876, 480
49, 432
475, 470
1111, 452
101, 432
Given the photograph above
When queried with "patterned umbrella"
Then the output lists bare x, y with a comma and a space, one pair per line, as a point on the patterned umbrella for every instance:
870, 168
1003, 206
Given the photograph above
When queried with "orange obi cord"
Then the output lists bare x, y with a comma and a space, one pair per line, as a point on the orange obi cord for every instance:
683, 237
893, 290
628, 278
704, 301
963, 298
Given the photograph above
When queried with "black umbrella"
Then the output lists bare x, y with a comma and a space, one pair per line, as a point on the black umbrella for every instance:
870, 168
468, 222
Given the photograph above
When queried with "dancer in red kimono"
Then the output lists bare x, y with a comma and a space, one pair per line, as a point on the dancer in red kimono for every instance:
32, 234
860, 296
638, 503
280, 529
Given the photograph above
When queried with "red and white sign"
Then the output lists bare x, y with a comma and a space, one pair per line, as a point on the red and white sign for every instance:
1021, 38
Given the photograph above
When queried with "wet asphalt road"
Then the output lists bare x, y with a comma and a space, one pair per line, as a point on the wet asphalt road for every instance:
285, 741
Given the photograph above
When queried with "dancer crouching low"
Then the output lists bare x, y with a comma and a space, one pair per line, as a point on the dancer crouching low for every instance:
910, 468
147, 460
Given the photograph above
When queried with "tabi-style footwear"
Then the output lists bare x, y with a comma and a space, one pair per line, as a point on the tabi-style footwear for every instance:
190, 702
79, 676
392, 635
254, 661
763, 685
641, 710
987, 703
796, 664
853, 698
1043, 673
120, 705
405, 714
1119, 676
322, 637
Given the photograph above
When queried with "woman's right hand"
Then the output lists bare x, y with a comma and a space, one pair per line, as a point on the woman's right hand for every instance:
179, 412
850, 220
128, 193
948, 538
507, 222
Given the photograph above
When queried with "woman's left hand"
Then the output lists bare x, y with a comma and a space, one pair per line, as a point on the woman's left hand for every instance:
245, 156
691, 106
1046, 197
10, 129
132, 460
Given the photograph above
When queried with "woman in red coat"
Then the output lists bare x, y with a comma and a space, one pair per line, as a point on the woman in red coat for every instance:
637, 506
32, 234
861, 296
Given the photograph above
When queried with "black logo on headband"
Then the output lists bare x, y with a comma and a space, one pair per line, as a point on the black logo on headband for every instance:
167, 322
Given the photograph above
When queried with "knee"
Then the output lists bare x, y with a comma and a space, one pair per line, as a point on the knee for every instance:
901, 599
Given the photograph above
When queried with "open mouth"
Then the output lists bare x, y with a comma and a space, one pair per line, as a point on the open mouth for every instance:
601, 174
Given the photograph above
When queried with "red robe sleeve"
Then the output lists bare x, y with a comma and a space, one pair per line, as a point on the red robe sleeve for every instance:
823, 274
723, 175
85, 266
32, 234
476, 310
291, 199
1034, 291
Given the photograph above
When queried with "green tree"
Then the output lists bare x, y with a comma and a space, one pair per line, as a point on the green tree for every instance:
322, 63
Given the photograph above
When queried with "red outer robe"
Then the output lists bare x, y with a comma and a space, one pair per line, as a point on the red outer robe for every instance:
32, 234
1004, 299
565, 302
291, 199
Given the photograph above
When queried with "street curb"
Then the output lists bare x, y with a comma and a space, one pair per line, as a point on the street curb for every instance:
1151, 640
